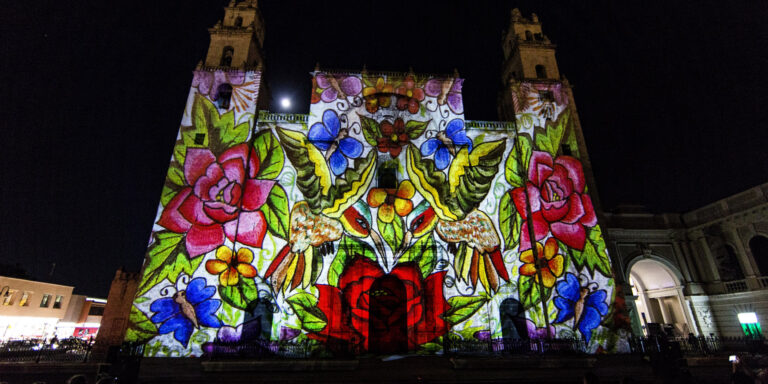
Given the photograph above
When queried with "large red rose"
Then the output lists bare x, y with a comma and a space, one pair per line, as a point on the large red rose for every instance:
222, 198
347, 308
558, 203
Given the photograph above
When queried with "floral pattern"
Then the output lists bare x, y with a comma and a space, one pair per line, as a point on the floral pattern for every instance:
393, 137
557, 204
550, 263
409, 96
327, 87
391, 201
378, 96
222, 199
584, 306
230, 267
424, 303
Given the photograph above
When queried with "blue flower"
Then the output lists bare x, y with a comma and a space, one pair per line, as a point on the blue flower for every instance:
438, 145
170, 311
594, 306
324, 135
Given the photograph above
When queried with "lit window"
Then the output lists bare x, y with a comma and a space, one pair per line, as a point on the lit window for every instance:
749, 325
8, 299
24, 302
57, 303
46, 299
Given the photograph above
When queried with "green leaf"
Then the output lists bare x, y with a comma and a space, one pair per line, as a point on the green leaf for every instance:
348, 248
276, 212
166, 258
167, 195
270, 153
471, 173
529, 293
424, 252
392, 232
305, 305
414, 128
462, 308
222, 131
549, 140
243, 295
516, 168
180, 152
594, 256
432, 184
176, 174
140, 328
509, 221
371, 130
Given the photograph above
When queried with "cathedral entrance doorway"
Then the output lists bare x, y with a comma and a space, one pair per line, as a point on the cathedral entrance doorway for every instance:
659, 299
388, 323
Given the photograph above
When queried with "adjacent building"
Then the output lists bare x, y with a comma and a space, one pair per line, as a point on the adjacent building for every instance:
38, 310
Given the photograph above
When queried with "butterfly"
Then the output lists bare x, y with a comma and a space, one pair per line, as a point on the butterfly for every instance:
447, 91
331, 87
585, 304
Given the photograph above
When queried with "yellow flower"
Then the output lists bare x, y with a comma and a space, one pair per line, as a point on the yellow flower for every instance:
230, 268
391, 201
550, 263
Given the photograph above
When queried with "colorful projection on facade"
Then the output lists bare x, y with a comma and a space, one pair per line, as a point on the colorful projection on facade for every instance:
383, 223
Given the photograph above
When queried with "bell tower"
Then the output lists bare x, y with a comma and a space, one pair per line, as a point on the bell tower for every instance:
237, 40
528, 53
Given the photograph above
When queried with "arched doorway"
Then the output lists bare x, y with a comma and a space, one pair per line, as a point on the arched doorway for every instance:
513, 324
659, 299
387, 321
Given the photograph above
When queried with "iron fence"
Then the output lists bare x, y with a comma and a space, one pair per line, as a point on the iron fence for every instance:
73, 350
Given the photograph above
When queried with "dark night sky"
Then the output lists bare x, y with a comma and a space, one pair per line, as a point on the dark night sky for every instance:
669, 96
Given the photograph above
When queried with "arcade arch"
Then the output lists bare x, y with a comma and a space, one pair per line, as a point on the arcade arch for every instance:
659, 299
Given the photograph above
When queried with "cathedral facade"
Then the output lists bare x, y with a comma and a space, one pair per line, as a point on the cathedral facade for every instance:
382, 221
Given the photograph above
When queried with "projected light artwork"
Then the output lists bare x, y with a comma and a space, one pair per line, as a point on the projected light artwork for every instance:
383, 223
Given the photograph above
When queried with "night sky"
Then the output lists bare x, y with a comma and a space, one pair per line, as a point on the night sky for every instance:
669, 96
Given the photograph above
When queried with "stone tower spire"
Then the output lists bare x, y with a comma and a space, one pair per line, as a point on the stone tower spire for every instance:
528, 53
237, 41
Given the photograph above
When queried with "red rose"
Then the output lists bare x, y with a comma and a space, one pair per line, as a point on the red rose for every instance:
557, 201
347, 307
222, 198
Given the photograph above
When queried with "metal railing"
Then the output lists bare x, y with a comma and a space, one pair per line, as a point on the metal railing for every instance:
736, 286
73, 350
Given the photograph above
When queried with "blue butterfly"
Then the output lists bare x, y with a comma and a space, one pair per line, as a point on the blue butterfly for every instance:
587, 315
186, 310
328, 136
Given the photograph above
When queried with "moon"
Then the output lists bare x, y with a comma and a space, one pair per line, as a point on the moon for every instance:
285, 103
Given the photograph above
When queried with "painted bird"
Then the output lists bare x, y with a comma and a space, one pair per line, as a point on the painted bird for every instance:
331, 208
311, 237
450, 208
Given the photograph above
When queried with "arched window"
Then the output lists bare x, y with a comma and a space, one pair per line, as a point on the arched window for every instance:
225, 95
541, 72
226, 56
528, 36
728, 263
239, 22
759, 247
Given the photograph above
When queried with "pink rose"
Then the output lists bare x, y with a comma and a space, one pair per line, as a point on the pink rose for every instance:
558, 203
222, 198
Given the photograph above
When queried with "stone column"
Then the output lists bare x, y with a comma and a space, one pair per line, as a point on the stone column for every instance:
707, 259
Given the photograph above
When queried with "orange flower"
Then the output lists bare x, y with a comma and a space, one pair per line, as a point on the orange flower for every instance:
391, 201
377, 96
550, 263
230, 268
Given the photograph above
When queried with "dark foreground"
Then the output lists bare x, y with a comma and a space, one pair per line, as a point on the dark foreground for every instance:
409, 369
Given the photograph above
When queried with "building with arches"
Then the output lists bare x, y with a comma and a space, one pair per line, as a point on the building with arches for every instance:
695, 271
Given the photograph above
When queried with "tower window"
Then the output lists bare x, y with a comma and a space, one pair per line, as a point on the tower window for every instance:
239, 22
226, 56
541, 72
387, 176
538, 36
566, 150
528, 36
546, 96
225, 94
200, 138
